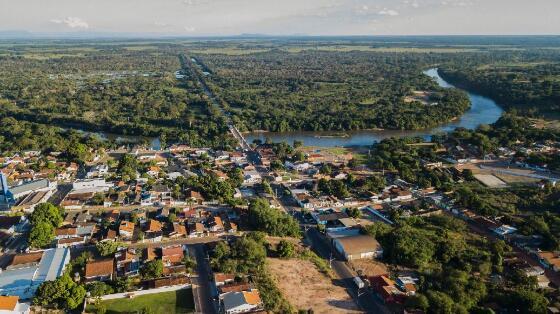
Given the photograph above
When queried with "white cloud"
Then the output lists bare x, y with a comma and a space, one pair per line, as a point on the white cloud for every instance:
161, 24
189, 29
388, 12
193, 2
72, 22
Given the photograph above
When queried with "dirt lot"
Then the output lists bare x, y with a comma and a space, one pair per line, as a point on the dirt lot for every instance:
306, 287
369, 267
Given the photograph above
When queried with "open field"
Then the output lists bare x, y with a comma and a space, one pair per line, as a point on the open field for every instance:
178, 302
306, 287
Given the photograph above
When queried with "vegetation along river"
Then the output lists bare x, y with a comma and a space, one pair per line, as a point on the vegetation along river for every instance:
482, 111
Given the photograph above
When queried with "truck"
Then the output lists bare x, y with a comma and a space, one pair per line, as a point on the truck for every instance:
359, 282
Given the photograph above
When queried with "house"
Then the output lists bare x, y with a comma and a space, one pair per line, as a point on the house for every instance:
161, 194
172, 258
70, 242
550, 260
153, 171
221, 279
28, 271
178, 230
196, 230
101, 270
65, 233
215, 224
154, 230
195, 197
172, 255
126, 229
357, 247
251, 177
241, 302
504, 230
324, 219
11, 305
127, 262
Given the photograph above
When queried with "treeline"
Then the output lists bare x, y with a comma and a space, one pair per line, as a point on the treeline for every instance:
530, 87
18, 136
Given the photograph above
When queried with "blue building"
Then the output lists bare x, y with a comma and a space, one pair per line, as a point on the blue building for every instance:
6, 197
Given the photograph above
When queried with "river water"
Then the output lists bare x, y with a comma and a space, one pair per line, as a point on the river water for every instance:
483, 110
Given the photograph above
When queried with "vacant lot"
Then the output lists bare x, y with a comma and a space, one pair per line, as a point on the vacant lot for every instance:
369, 267
178, 302
306, 288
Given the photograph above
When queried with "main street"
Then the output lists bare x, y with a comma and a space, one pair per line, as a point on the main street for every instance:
365, 298
202, 285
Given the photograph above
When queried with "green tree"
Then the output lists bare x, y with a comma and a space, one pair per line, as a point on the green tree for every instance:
62, 292
264, 218
417, 301
440, 303
152, 269
47, 212
107, 248
286, 249
98, 288
190, 263
41, 235
377, 229
354, 212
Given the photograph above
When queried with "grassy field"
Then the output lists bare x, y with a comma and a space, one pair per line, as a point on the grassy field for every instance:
178, 302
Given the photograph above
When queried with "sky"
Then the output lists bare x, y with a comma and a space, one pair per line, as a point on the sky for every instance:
283, 17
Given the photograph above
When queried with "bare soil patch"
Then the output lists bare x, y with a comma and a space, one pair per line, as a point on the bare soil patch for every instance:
306, 288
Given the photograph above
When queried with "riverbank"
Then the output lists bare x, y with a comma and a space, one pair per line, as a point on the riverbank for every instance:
483, 111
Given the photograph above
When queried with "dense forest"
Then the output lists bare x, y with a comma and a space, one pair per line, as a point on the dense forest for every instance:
323, 90
132, 88
529, 82
118, 91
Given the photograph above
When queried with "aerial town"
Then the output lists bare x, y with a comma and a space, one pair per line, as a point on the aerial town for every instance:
279, 157
134, 221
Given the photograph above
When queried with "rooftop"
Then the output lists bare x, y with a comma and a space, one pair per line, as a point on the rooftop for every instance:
99, 268
359, 244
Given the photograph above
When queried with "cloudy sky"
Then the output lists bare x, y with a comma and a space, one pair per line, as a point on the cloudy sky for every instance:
283, 17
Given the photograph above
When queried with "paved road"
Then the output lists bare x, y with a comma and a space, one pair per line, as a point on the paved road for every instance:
366, 299
202, 286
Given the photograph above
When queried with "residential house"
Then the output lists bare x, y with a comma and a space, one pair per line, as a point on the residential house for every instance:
196, 230
100, 270
241, 302
153, 231
126, 229
221, 279
215, 224
127, 262
179, 231
11, 305
550, 260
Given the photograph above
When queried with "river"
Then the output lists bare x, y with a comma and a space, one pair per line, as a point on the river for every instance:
483, 110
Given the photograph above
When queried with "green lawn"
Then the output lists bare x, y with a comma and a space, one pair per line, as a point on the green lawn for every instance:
179, 302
